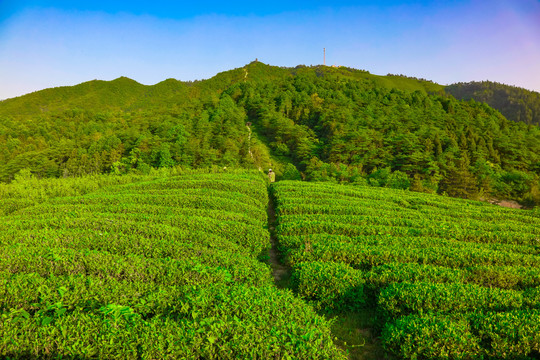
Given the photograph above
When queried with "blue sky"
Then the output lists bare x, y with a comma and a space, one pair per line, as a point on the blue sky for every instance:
54, 43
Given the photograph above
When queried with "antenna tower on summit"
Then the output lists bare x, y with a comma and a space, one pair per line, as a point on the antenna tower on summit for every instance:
324, 56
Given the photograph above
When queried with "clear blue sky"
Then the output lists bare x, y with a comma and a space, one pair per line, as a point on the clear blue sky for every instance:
53, 43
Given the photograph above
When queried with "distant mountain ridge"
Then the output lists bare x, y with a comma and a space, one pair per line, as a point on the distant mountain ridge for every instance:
515, 103
118, 94
320, 123
125, 94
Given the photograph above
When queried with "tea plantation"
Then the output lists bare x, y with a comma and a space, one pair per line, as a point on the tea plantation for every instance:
154, 268
449, 278
172, 266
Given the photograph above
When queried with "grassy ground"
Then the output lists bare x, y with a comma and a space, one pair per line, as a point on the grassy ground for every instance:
354, 332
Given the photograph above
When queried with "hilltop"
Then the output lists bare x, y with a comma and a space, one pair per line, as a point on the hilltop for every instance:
317, 123
120, 94
126, 94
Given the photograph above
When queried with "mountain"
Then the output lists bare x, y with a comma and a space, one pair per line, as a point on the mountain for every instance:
117, 95
125, 94
319, 123
516, 104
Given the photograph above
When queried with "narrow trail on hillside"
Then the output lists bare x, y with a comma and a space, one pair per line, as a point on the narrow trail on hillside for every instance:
281, 272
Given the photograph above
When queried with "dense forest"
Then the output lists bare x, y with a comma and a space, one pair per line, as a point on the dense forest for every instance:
516, 104
316, 123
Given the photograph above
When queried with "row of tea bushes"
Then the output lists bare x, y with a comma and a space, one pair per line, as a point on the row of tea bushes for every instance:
158, 268
437, 270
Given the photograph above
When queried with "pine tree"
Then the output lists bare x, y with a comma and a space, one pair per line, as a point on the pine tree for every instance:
460, 182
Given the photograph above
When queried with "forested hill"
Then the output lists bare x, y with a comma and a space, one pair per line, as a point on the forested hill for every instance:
320, 123
514, 103
128, 95
96, 95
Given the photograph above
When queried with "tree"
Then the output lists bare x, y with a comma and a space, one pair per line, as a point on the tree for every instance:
291, 173
164, 157
460, 182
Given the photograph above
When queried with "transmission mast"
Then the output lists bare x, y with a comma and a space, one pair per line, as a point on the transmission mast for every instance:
324, 56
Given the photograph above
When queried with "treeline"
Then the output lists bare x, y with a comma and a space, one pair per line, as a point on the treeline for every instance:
317, 123
516, 104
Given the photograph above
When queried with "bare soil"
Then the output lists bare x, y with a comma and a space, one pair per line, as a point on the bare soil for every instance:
506, 203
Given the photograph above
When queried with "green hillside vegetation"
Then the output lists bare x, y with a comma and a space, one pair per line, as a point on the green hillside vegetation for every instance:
119, 94
321, 123
447, 278
134, 219
516, 104
157, 267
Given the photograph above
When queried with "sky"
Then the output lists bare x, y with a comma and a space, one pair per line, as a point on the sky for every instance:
59, 43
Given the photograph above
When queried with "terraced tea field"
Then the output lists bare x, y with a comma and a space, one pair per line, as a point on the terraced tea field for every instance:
154, 269
448, 278
173, 267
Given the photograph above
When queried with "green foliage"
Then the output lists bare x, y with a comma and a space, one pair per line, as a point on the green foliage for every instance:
509, 335
514, 103
379, 277
27, 190
201, 329
386, 178
157, 266
431, 337
401, 299
332, 124
398, 180
291, 173
164, 158
379, 177
479, 335
449, 278
333, 286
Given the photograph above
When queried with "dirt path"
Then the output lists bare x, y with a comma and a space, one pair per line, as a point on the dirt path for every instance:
353, 332
280, 271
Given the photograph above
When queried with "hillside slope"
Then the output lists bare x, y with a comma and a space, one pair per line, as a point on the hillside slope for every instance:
127, 94
322, 123
96, 95
516, 104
